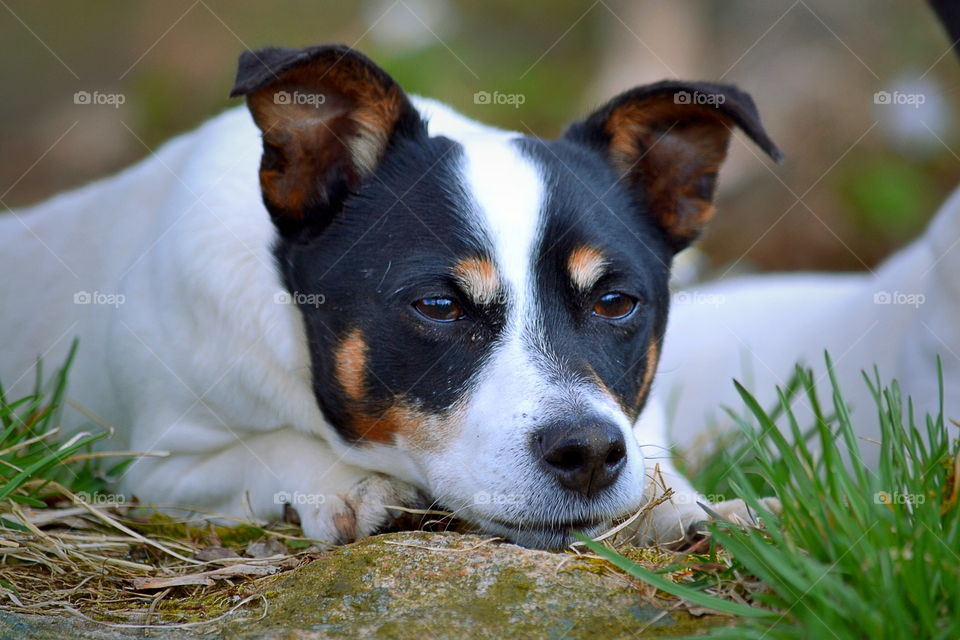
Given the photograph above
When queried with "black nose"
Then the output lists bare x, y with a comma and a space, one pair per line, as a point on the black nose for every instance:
584, 456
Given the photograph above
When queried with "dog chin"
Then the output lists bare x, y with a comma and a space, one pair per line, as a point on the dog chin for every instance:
537, 536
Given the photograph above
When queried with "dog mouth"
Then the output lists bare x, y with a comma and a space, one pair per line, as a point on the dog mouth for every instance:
551, 526
536, 534
568, 525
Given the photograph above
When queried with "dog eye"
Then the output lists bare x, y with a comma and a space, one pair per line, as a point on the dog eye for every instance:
614, 305
439, 309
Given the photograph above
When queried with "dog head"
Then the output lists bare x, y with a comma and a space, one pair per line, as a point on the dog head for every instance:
493, 304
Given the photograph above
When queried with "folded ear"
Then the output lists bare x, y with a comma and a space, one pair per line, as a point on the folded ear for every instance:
328, 114
667, 142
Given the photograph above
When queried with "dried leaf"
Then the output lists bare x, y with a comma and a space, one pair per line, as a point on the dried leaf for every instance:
205, 578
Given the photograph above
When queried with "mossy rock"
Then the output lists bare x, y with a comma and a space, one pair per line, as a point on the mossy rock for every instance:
422, 585
416, 585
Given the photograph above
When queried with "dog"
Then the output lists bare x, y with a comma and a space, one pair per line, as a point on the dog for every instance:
342, 299
900, 318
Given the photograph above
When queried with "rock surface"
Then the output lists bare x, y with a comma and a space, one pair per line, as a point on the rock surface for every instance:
422, 585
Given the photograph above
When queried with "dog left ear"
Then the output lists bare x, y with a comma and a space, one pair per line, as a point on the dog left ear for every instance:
667, 141
328, 115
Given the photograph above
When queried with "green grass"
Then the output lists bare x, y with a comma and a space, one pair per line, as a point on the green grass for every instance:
35, 454
857, 552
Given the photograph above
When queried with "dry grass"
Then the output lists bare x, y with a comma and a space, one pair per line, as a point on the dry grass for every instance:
105, 564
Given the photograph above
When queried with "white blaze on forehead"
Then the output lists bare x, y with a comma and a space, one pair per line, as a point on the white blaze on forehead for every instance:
508, 192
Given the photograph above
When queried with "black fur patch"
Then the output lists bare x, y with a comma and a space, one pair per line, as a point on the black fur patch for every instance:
586, 206
395, 241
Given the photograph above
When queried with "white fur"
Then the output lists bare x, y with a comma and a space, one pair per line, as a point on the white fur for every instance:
755, 328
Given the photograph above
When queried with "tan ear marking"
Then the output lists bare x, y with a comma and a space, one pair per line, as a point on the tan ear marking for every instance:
673, 157
666, 142
478, 279
327, 115
586, 266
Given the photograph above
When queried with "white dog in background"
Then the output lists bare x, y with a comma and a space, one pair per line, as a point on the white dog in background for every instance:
900, 317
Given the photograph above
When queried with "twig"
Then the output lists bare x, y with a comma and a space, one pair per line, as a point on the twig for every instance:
417, 546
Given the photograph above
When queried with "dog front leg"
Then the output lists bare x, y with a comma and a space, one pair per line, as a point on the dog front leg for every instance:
677, 512
258, 475
677, 517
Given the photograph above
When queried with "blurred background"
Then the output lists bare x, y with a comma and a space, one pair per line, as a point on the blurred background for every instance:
862, 96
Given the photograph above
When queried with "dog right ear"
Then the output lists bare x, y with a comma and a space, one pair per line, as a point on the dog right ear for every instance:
328, 115
666, 142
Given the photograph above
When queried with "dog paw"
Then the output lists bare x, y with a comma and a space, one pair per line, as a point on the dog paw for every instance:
681, 521
735, 512
360, 511
667, 524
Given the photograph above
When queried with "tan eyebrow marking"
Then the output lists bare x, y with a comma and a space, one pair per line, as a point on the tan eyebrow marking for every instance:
585, 266
479, 280
351, 365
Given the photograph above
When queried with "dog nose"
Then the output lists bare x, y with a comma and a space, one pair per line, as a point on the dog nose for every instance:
585, 457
